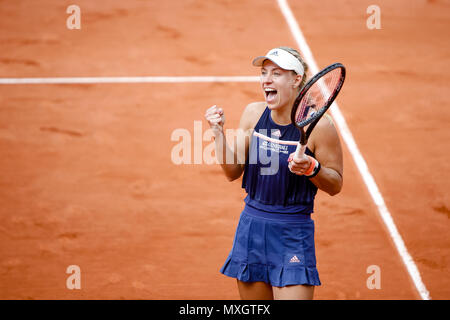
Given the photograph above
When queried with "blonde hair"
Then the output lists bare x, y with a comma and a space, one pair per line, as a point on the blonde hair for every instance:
296, 54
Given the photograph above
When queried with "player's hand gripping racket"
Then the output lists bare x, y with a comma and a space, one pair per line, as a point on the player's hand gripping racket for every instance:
314, 100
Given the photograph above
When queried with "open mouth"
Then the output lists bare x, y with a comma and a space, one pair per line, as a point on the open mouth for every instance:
271, 94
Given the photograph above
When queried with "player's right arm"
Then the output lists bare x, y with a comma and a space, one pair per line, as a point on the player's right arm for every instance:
232, 159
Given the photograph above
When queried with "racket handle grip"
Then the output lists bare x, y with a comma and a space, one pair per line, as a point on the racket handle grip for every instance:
300, 151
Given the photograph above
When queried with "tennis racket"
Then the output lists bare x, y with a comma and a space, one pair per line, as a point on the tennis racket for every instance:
313, 101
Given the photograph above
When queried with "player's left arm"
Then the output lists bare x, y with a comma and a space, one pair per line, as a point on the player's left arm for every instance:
327, 150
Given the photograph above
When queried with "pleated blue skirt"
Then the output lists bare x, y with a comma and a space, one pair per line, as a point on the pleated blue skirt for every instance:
274, 248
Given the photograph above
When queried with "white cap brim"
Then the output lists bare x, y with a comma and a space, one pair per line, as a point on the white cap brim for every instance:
281, 58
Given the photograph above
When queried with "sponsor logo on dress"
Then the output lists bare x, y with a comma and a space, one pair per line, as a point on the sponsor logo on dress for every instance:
294, 259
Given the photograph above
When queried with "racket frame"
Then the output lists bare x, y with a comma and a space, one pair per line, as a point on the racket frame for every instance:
304, 135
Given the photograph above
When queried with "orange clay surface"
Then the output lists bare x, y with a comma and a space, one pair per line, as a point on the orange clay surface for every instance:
86, 172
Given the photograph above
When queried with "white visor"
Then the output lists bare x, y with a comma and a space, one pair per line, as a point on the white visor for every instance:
283, 59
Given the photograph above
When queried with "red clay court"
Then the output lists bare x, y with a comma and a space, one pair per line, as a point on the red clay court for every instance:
87, 177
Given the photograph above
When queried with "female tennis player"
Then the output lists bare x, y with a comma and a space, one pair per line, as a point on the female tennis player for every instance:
273, 252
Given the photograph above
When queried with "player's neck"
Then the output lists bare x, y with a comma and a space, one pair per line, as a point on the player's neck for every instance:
281, 116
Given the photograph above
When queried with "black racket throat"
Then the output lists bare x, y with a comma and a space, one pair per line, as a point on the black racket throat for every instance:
304, 135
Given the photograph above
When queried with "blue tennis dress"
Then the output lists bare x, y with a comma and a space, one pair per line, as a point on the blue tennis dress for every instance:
274, 240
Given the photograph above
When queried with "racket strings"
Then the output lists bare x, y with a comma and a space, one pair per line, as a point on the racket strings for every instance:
318, 96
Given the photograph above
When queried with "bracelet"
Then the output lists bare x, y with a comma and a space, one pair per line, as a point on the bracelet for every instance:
311, 166
314, 169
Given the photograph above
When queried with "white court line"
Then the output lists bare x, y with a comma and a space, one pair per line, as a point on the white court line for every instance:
95, 80
358, 158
